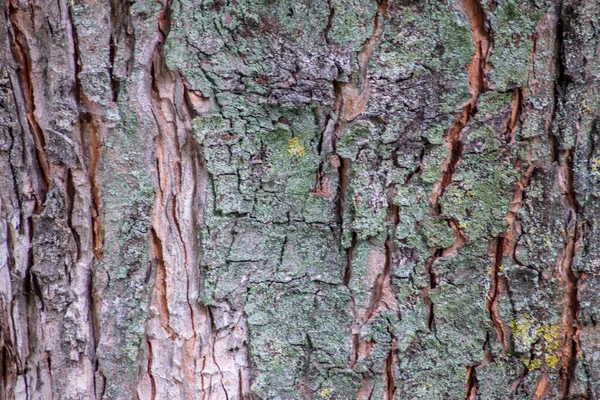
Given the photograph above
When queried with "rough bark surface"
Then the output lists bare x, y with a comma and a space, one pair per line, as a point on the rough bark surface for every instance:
299, 199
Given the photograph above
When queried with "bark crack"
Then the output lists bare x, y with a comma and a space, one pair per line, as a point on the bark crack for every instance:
149, 370
472, 383
513, 120
496, 287
477, 85
22, 55
570, 325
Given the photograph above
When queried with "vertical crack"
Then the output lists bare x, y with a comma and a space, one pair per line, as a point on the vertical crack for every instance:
512, 217
513, 120
472, 384
432, 283
213, 340
22, 56
377, 290
344, 174
329, 22
161, 283
496, 287
390, 385
149, 370
481, 41
349, 103
349, 257
570, 325
568, 278
477, 84
505, 245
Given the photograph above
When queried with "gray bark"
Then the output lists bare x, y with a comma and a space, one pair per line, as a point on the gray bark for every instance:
299, 199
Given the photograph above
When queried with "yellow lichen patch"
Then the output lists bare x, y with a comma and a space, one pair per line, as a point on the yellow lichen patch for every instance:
528, 331
551, 360
534, 364
551, 335
296, 148
325, 392
596, 165
525, 330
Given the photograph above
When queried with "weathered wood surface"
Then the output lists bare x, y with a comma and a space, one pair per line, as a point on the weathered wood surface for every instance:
299, 199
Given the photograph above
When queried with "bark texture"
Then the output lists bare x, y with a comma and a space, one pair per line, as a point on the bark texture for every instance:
299, 199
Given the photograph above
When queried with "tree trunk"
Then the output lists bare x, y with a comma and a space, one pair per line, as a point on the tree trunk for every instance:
300, 199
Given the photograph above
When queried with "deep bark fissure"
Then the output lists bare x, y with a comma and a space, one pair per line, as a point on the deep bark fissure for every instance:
149, 369
496, 287
94, 151
349, 257
161, 283
560, 83
505, 245
564, 159
512, 217
570, 325
21, 50
389, 375
377, 289
432, 283
454, 143
472, 384
481, 41
344, 174
513, 120
516, 384
329, 22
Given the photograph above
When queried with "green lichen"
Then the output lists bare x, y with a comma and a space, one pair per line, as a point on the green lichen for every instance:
514, 24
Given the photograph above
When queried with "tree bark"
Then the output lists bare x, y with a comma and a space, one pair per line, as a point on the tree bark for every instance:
299, 199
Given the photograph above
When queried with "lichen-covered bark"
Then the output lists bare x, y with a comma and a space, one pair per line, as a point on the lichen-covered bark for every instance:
299, 199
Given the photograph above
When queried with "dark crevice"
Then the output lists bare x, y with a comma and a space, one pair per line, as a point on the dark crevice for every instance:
344, 174
480, 32
329, 22
561, 83
516, 384
115, 84
515, 115
570, 325
389, 375
71, 193
477, 84
349, 257
149, 370
472, 383
432, 283
496, 287
88, 127
21, 55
